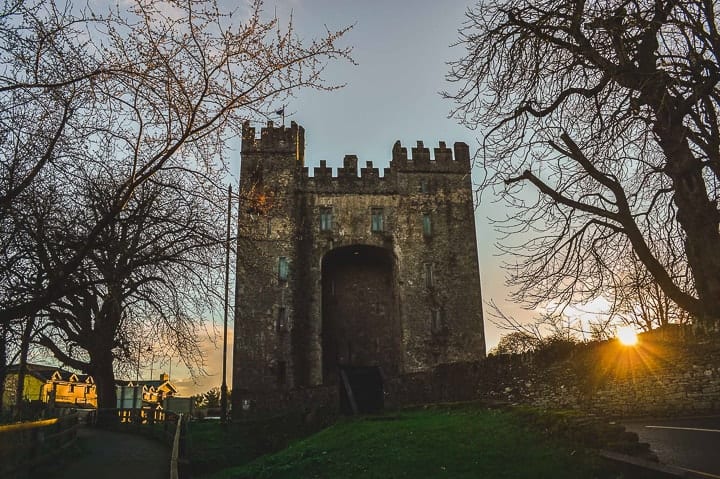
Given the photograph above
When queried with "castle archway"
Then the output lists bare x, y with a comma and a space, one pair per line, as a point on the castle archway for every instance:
360, 327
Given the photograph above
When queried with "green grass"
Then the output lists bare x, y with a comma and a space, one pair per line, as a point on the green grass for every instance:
466, 442
213, 447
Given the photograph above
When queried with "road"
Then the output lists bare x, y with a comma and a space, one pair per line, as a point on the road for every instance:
691, 443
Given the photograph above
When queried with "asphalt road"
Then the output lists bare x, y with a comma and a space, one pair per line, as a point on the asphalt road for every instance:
692, 444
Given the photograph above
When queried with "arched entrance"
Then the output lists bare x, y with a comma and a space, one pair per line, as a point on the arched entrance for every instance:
360, 329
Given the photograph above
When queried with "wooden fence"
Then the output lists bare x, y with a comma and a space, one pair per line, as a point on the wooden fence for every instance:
27, 444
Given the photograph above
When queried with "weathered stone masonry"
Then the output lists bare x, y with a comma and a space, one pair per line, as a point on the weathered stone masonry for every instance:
659, 377
358, 273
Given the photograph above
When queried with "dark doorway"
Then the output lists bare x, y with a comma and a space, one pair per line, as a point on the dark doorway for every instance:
361, 390
359, 311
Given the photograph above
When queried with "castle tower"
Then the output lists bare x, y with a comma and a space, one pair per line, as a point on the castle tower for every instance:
348, 282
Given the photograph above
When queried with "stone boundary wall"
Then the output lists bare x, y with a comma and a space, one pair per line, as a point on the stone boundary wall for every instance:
304, 401
658, 377
661, 376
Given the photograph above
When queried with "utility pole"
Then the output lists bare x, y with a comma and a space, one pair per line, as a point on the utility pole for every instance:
137, 371
223, 388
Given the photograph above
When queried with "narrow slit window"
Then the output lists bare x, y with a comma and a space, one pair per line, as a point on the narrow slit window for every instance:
282, 319
429, 280
326, 219
377, 220
283, 268
281, 373
427, 224
436, 321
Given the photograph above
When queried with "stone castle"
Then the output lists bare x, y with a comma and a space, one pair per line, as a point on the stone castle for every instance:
346, 282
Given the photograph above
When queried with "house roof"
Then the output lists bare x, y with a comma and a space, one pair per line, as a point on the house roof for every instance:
149, 385
157, 384
42, 372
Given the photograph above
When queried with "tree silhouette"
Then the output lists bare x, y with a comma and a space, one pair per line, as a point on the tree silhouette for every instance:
602, 135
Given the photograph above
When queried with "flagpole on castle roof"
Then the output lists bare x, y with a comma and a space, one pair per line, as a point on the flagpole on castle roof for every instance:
281, 112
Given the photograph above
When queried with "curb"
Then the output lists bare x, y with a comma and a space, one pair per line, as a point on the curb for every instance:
649, 469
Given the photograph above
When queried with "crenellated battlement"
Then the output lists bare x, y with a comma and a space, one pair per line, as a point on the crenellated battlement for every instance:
350, 178
349, 170
274, 140
443, 162
277, 146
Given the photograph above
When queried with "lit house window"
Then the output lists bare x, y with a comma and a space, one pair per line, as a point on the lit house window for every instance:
429, 280
283, 268
326, 219
427, 224
376, 219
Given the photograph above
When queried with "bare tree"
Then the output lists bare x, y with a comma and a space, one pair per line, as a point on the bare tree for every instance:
153, 277
157, 85
642, 303
601, 132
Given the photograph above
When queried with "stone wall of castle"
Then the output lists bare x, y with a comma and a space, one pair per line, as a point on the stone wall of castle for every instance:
352, 267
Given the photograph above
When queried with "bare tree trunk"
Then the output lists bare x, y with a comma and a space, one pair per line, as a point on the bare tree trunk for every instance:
22, 367
101, 356
697, 215
3, 362
104, 376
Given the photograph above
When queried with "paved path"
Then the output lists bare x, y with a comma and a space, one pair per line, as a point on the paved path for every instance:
691, 443
116, 455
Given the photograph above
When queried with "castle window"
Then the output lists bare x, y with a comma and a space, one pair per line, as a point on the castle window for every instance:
423, 186
435, 321
376, 220
281, 323
281, 373
326, 219
429, 280
283, 268
427, 224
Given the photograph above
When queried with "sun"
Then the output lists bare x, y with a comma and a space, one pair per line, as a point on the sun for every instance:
627, 335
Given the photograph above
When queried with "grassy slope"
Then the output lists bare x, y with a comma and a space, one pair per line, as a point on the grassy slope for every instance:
455, 443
